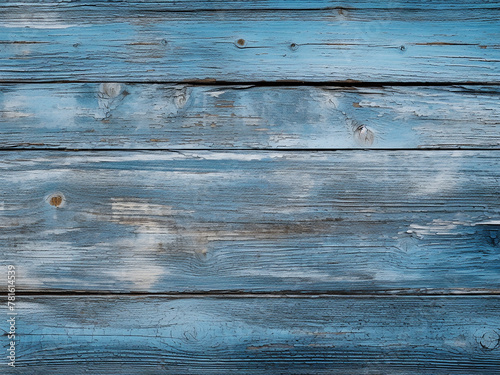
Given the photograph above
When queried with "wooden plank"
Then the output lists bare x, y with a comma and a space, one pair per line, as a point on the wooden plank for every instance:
114, 115
342, 335
211, 5
121, 43
251, 221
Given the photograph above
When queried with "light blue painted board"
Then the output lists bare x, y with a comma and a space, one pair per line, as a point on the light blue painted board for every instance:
68, 42
341, 335
252, 221
211, 5
113, 115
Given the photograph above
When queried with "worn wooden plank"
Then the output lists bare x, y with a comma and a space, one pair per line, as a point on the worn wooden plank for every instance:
114, 115
199, 5
344, 335
122, 43
251, 221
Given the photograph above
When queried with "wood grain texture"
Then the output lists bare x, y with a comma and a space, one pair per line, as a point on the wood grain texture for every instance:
211, 5
115, 42
293, 261
251, 221
346, 335
113, 115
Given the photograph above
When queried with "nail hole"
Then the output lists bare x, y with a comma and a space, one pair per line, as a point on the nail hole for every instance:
294, 46
240, 42
402, 48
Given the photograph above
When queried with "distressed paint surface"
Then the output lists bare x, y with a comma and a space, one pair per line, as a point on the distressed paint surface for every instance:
68, 42
347, 335
213, 5
252, 246
252, 221
114, 115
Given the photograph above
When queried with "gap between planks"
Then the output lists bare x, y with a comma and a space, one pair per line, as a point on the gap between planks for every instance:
278, 83
281, 149
457, 292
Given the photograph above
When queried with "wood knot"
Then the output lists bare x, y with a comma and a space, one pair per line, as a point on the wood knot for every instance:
489, 340
181, 96
364, 136
240, 43
56, 200
110, 90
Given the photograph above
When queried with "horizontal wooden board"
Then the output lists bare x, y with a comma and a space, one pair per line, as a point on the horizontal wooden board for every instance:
251, 221
151, 335
114, 115
116, 42
210, 5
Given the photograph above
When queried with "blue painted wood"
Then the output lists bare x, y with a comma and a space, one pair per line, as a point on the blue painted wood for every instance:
296, 262
66, 42
252, 221
341, 335
197, 5
113, 115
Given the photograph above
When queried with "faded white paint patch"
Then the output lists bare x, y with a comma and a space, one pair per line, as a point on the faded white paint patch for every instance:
303, 274
145, 156
22, 177
393, 276
146, 217
438, 183
436, 227
299, 186
39, 20
180, 155
141, 273
13, 107
289, 274
38, 24
444, 178
215, 94
234, 156
13, 115
57, 231
124, 206
458, 342
49, 111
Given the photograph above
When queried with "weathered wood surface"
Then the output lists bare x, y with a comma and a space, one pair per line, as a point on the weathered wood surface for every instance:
251, 221
114, 115
117, 42
213, 5
341, 335
293, 261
